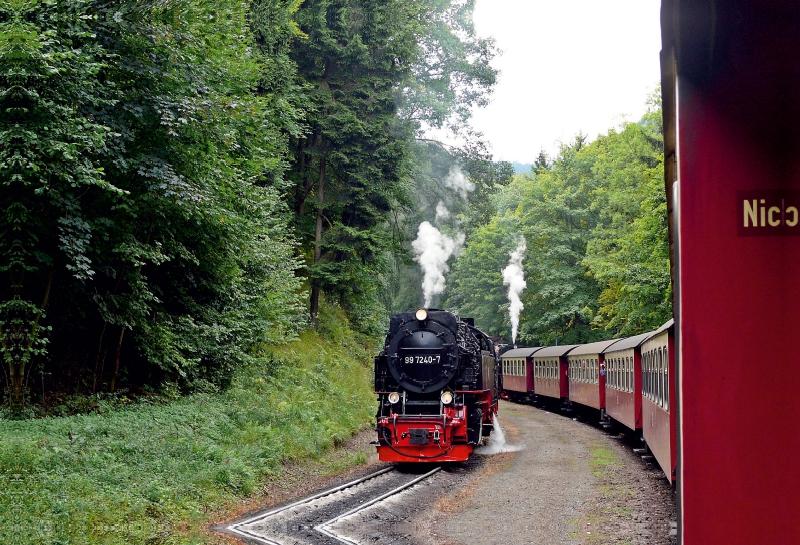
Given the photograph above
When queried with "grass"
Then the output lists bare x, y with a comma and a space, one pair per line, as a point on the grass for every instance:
602, 458
157, 474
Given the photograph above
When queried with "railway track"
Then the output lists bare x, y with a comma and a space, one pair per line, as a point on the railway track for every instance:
328, 517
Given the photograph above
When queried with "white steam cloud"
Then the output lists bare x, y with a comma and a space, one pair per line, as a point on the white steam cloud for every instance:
514, 278
497, 442
442, 213
432, 249
455, 179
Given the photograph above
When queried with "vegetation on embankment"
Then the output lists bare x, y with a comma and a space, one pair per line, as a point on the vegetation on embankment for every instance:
158, 473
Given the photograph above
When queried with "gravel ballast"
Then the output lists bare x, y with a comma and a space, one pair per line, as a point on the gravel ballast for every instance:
570, 483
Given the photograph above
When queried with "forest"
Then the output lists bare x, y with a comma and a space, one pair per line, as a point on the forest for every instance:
184, 183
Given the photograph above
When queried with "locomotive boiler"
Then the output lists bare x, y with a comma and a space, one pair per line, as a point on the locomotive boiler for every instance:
437, 381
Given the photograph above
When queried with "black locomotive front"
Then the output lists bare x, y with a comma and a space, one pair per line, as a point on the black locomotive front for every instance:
436, 381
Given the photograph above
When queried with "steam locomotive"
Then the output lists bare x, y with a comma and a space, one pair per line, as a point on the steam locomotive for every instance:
437, 380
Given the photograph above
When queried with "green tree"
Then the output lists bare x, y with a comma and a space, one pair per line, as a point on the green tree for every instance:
349, 165
629, 249
135, 210
476, 281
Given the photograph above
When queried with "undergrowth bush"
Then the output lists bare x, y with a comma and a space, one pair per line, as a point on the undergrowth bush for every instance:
156, 473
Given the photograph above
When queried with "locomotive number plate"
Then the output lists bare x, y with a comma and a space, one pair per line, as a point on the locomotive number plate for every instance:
421, 360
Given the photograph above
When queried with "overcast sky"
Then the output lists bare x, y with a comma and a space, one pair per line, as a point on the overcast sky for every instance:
567, 66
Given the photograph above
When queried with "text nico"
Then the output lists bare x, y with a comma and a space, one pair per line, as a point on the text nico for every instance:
769, 213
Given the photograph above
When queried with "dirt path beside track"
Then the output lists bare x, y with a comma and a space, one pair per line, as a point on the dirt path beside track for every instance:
571, 483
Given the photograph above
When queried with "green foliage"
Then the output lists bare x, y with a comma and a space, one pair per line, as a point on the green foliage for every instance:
156, 474
349, 166
597, 259
139, 177
476, 281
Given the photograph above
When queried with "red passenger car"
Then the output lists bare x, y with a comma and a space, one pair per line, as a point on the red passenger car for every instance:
731, 95
623, 385
550, 371
518, 373
586, 379
658, 397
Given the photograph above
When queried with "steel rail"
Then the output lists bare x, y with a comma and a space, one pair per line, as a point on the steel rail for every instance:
322, 528
235, 528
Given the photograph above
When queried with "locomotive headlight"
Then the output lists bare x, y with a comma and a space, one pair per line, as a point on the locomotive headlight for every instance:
446, 397
422, 314
394, 397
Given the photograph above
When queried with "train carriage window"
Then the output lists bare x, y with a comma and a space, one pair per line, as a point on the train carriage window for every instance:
628, 374
666, 379
658, 375
650, 375
610, 372
663, 376
624, 373
645, 360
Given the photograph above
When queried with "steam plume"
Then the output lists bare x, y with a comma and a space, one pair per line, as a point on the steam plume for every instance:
432, 249
455, 179
442, 213
514, 278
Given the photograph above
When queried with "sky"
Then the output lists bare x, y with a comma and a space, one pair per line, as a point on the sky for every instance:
567, 66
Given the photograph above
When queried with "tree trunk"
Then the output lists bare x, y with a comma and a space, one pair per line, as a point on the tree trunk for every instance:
97, 358
20, 344
116, 363
318, 243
